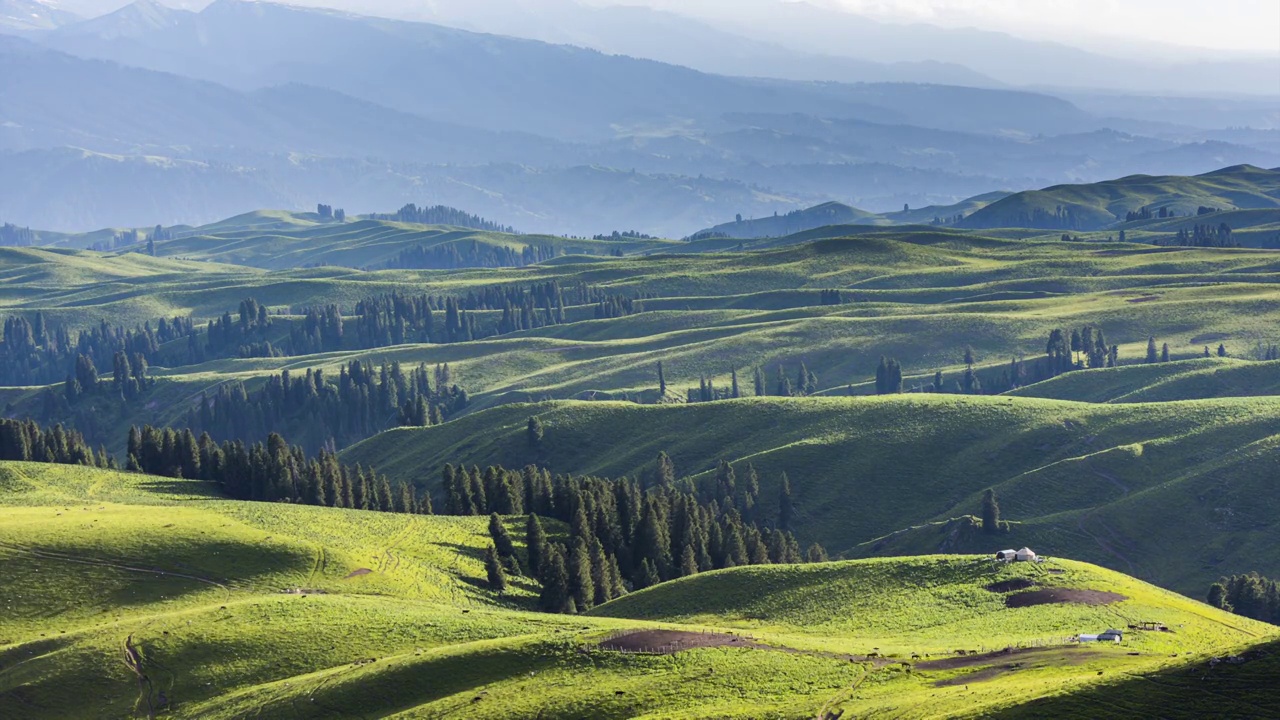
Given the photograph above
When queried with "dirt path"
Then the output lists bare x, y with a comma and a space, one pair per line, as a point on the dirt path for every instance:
1106, 546
133, 660
317, 569
66, 557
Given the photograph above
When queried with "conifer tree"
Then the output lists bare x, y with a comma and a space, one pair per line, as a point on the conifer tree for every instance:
600, 574
662, 381
688, 562
616, 587
1164, 353
581, 587
554, 597
493, 569
1218, 597
653, 539
501, 540
816, 554
1153, 355
734, 392
648, 576
534, 433
535, 540
666, 470
735, 549
759, 383
990, 512
786, 508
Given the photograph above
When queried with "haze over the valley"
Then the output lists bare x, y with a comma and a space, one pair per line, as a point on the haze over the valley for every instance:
922, 103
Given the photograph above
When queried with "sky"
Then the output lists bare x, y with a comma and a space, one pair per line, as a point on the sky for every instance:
1251, 26
1248, 25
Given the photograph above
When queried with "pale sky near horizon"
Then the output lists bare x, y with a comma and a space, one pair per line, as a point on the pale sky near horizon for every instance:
1242, 25
1252, 25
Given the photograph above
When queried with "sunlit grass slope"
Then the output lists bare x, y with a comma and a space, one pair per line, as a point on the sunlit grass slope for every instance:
930, 607
276, 241
1161, 382
1106, 203
930, 604
1092, 481
126, 594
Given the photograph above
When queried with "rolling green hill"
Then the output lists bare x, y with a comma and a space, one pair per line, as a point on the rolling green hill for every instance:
919, 296
1090, 481
1162, 472
128, 595
1105, 204
1186, 380
831, 213
278, 240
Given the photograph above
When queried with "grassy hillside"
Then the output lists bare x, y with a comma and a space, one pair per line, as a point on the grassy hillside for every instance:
832, 213
1184, 380
1194, 690
929, 605
277, 241
1089, 481
1104, 204
129, 595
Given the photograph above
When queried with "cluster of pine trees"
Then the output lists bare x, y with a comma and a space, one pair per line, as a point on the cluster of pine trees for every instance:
1063, 217
33, 353
805, 383
617, 306
621, 536
442, 215
268, 472
1206, 235
1083, 348
889, 376
470, 254
1155, 355
327, 212
625, 235
393, 319
129, 379
13, 236
1146, 213
26, 441
361, 402
242, 335
1251, 595
831, 297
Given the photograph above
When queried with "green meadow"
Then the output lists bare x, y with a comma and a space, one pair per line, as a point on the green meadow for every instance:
130, 595
228, 609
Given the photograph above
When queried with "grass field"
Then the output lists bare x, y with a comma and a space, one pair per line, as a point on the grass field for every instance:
1105, 204
126, 593
1091, 481
120, 587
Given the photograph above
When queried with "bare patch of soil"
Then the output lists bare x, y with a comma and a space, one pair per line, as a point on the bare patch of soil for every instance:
1011, 585
668, 642
1147, 298
976, 676
1058, 596
358, 573
1066, 654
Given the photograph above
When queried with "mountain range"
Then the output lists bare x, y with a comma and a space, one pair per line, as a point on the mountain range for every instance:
156, 98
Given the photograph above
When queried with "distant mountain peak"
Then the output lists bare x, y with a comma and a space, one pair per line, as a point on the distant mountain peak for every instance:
29, 15
131, 21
